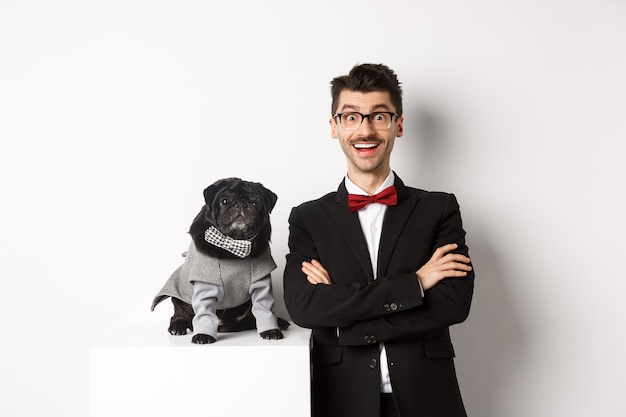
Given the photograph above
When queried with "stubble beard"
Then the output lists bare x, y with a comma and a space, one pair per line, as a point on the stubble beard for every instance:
367, 165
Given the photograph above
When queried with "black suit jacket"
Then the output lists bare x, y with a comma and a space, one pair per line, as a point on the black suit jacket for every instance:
390, 309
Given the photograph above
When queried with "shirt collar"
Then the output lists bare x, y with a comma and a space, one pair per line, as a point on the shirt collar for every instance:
352, 188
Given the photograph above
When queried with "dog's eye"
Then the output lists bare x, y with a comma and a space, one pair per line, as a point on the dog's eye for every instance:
255, 204
224, 201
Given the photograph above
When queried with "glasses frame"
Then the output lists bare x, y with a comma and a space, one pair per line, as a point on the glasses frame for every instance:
366, 116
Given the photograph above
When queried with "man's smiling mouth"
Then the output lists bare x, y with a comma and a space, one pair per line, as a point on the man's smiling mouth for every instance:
365, 145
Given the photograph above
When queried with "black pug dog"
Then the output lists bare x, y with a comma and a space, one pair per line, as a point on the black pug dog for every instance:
224, 284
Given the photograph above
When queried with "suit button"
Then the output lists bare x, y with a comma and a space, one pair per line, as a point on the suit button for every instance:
393, 306
367, 340
387, 307
373, 363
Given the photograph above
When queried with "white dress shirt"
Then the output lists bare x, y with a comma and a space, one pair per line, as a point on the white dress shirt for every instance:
371, 219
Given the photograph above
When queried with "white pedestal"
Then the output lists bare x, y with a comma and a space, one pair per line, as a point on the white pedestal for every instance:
144, 371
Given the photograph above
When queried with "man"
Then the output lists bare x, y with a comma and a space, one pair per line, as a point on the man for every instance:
379, 282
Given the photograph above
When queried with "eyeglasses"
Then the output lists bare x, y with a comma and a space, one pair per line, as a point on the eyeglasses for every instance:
380, 120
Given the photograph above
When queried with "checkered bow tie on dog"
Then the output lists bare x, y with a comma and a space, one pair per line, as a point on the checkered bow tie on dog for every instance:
239, 248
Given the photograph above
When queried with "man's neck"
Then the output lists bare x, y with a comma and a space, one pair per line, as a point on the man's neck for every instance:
368, 182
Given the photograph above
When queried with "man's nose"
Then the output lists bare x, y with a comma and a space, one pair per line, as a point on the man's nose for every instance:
366, 126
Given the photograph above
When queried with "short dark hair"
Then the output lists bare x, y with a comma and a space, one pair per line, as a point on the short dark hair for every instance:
366, 78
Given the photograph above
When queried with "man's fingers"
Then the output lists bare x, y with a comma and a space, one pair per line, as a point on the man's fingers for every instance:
454, 257
319, 266
449, 247
442, 250
313, 275
455, 273
459, 262
312, 280
315, 272
315, 279
442, 265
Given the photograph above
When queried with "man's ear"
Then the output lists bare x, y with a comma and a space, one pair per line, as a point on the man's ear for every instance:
400, 127
333, 128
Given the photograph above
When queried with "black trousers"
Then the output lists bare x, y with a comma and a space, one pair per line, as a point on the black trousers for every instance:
388, 406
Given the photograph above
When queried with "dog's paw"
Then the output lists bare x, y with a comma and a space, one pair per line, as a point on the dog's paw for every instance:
283, 324
202, 339
179, 327
273, 334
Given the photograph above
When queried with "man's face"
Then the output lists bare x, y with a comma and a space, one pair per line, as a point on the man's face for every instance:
367, 149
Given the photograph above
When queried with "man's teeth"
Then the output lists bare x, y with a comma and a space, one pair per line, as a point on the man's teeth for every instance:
365, 145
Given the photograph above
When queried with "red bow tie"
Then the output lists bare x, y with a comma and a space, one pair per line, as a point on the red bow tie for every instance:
387, 196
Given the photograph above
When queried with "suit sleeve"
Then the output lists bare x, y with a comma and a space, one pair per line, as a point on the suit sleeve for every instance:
445, 304
338, 305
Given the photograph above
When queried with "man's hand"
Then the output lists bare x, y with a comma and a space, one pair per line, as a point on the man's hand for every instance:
443, 265
316, 273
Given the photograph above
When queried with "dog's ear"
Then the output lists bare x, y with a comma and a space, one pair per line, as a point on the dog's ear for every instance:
269, 198
211, 192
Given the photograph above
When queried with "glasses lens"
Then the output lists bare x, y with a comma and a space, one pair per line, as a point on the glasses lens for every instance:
351, 121
380, 120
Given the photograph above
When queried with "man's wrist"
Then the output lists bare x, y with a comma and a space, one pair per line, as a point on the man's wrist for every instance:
421, 287
419, 282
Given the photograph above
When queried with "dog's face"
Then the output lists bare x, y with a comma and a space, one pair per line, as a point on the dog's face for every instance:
239, 209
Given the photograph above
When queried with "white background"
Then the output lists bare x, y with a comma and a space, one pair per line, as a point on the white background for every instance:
114, 116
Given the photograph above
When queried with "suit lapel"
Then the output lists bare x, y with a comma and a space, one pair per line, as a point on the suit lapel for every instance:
348, 223
396, 218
